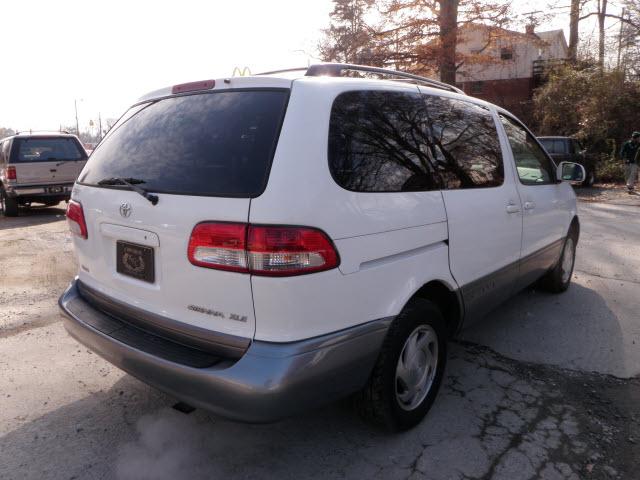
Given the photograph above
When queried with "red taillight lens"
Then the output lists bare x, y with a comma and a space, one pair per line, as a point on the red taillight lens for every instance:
280, 251
75, 219
11, 173
220, 246
261, 250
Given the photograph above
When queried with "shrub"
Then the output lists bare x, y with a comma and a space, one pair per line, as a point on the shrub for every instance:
610, 170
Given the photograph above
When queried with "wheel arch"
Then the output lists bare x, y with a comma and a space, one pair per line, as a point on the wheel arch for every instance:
448, 300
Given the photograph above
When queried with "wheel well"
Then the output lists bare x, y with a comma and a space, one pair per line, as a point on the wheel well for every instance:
447, 301
575, 225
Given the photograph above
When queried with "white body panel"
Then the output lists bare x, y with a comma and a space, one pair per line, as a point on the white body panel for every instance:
390, 244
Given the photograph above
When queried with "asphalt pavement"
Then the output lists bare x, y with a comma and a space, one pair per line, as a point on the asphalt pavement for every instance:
546, 387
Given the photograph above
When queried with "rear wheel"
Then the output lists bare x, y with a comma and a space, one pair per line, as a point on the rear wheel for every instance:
407, 375
558, 279
590, 179
8, 205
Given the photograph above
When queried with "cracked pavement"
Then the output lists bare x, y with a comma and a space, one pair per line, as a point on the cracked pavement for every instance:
546, 387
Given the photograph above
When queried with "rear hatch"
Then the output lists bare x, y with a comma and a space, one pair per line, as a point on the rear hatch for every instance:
47, 160
204, 155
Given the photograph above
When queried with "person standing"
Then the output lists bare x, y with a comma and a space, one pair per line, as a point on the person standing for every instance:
629, 154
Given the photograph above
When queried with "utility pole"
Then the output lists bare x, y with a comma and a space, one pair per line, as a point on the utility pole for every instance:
75, 105
99, 127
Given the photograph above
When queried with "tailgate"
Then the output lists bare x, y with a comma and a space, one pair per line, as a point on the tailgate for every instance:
47, 173
156, 275
204, 156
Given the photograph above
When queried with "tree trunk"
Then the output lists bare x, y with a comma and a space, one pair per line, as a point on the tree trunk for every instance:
602, 12
574, 21
448, 23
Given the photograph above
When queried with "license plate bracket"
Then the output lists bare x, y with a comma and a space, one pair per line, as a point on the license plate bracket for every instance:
135, 261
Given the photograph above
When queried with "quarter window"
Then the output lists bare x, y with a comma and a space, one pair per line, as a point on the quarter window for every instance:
378, 143
533, 164
393, 142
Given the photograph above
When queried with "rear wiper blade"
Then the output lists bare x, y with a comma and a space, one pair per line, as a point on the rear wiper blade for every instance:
131, 183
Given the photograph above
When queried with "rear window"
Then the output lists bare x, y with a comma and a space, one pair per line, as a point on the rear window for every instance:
552, 145
213, 144
46, 149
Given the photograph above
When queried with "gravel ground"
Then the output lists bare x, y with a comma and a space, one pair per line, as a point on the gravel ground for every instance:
509, 409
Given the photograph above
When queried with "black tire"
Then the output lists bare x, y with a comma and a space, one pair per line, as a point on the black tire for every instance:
8, 205
558, 279
378, 402
590, 179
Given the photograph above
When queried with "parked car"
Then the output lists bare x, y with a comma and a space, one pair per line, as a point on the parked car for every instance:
38, 168
257, 246
568, 149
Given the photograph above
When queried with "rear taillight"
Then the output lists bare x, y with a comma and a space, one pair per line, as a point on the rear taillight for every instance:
75, 219
261, 249
11, 173
219, 245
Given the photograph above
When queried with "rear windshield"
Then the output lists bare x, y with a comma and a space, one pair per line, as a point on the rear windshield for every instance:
212, 144
554, 145
46, 149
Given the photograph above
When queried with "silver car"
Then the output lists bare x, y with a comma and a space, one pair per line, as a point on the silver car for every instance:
38, 168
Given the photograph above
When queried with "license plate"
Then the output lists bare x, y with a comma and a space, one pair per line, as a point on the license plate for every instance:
135, 261
56, 189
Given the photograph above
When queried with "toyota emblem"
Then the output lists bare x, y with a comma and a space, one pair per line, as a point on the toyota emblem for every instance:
125, 210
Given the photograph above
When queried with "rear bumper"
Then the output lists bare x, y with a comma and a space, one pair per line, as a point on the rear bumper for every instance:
270, 381
40, 193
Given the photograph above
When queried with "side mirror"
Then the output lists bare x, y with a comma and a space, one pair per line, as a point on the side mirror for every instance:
571, 172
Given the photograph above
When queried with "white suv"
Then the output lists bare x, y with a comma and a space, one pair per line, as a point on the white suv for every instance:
260, 245
38, 168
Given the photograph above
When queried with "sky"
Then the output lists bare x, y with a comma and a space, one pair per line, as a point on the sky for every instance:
103, 55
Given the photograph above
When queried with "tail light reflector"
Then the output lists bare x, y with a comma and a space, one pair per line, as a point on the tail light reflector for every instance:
261, 249
11, 173
75, 219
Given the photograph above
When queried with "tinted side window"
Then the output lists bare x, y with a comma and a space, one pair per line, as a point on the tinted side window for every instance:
533, 164
378, 143
463, 143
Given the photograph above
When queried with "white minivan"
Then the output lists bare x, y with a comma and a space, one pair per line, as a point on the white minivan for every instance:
258, 246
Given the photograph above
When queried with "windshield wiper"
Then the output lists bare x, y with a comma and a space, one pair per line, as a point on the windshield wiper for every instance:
130, 182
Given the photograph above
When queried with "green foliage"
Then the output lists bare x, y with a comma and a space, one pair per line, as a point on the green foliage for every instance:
597, 107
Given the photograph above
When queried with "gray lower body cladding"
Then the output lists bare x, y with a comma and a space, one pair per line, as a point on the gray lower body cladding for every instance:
268, 382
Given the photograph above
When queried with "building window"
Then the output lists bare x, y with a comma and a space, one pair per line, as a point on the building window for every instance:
506, 53
477, 88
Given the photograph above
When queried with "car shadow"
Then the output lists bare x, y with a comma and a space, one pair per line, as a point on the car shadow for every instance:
575, 330
33, 216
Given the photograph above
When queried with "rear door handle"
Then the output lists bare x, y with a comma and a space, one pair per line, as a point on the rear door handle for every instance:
529, 205
512, 208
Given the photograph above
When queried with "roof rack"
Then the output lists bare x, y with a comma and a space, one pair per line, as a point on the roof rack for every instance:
336, 70
30, 131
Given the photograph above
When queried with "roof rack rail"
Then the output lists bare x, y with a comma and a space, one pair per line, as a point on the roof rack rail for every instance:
336, 69
30, 131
